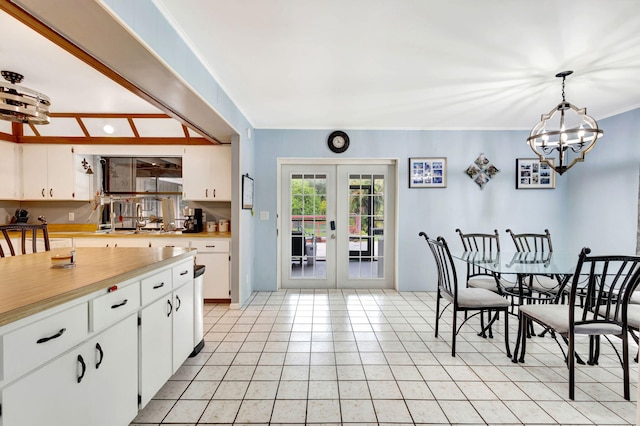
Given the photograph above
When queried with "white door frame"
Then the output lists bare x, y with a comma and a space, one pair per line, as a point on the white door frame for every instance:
331, 161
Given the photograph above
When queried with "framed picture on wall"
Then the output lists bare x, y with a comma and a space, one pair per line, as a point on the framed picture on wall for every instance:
247, 192
428, 172
531, 173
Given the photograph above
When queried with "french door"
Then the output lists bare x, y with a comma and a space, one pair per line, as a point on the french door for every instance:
336, 225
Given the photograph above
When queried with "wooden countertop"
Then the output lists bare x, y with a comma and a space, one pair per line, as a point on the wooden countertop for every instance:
130, 234
89, 231
29, 285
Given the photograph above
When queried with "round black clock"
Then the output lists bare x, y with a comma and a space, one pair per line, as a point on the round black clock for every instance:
338, 141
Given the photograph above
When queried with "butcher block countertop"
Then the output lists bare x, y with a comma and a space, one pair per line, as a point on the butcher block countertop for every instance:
29, 285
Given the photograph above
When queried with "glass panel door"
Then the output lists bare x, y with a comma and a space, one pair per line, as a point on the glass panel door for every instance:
335, 230
368, 194
305, 199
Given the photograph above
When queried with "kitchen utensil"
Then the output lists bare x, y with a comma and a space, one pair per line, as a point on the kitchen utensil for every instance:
120, 217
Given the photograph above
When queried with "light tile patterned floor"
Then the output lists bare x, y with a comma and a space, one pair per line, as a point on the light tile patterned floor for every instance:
370, 356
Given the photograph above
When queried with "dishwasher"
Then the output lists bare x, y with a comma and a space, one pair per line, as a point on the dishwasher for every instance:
198, 309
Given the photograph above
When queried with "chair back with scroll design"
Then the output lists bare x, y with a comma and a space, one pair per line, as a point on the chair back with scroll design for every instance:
539, 243
546, 286
489, 245
23, 229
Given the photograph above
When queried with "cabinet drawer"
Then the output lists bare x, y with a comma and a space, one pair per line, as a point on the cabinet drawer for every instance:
32, 345
113, 306
182, 273
211, 246
155, 286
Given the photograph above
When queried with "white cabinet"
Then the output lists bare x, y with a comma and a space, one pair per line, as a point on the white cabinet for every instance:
111, 242
169, 242
94, 383
10, 171
182, 323
206, 173
156, 347
166, 328
214, 255
53, 172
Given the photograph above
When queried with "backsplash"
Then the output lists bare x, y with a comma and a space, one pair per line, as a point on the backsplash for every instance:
58, 211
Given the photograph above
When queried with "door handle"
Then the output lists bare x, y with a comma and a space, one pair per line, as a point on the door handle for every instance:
333, 225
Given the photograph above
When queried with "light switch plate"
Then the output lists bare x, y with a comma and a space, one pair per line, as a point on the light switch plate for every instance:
264, 215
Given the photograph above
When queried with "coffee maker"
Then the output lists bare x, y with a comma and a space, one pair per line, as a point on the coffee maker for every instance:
198, 225
194, 221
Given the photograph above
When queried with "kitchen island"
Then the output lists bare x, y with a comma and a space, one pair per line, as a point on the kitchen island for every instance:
93, 343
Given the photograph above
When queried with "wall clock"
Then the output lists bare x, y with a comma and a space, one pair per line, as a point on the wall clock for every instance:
338, 141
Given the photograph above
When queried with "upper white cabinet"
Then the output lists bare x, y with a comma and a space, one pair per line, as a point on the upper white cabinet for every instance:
9, 171
206, 173
53, 172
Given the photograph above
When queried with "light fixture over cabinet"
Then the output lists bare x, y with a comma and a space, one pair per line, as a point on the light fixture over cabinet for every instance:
20, 104
566, 131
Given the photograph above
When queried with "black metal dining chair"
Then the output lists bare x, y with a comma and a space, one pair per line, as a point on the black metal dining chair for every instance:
463, 299
597, 306
23, 229
545, 286
488, 244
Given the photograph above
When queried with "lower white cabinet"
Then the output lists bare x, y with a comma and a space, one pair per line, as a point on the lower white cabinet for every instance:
166, 331
156, 347
214, 255
182, 324
94, 383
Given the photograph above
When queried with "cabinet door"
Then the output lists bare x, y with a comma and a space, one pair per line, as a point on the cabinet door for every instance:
216, 275
156, 347
221, 173
112, 366
60, 173
182, 324
34, 172
53, 395
9, 171
196, 174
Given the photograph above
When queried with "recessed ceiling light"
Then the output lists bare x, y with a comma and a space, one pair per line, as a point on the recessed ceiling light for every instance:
108, 129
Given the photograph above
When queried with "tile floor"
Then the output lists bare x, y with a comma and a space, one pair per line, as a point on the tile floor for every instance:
370, 356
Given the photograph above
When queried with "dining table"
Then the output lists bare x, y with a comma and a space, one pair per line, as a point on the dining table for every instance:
522, 265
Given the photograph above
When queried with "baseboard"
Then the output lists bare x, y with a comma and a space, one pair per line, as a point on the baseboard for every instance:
217, 300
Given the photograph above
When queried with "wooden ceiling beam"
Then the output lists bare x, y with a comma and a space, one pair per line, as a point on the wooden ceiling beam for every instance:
109, 140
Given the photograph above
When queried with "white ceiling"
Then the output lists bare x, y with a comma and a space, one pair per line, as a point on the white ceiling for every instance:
376, 64
415, 64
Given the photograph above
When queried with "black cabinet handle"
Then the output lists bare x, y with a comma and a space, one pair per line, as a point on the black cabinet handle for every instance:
55, 336
84, 368
101, 353
170, 307
179, 302
117, 305
184, 273
157, 286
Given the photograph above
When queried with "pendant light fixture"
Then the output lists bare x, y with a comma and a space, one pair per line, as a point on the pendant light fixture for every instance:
566, 131
20, 104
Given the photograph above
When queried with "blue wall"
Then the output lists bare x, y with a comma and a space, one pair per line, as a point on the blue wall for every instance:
436, 211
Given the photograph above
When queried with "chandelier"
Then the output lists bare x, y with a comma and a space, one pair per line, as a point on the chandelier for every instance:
567, 131
20, 104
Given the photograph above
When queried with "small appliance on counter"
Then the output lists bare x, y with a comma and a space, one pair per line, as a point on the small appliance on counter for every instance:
194, 220
20, 216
